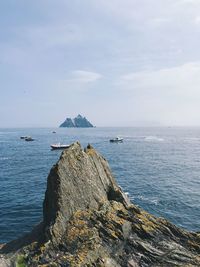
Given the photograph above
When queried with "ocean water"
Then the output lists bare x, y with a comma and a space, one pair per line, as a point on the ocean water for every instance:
158, 167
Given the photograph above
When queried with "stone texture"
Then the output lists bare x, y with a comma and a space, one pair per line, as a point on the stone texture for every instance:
88, 221
79, 181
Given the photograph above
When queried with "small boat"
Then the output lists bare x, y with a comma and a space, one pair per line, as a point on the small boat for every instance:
29, 139
53, 131
23, 137
58, 146
116, 140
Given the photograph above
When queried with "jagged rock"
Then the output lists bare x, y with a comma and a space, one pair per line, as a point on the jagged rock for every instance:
88, 221
68, 123
78, 122
79, 181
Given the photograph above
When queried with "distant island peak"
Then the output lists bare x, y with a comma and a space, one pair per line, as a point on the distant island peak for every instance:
78, 122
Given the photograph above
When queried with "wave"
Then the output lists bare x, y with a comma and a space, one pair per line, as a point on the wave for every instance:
4, 158
153, 139
151, 200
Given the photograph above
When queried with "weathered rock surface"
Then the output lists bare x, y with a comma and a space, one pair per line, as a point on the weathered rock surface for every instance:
78, 122
79, 181
88, 221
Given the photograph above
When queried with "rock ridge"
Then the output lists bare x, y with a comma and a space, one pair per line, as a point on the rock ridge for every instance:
71, 187
89, 221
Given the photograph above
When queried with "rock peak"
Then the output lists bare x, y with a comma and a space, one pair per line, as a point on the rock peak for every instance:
78, 122
80, 180
79, 116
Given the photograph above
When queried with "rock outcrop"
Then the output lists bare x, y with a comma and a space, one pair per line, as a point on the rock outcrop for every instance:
88, 221
77, 122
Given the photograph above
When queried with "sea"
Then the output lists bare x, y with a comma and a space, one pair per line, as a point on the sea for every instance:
159, 168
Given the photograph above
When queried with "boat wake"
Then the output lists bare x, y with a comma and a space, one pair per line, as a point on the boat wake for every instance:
153, 139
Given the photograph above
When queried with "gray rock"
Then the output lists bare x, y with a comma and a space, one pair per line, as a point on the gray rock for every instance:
68, 123
79, 181
4, 262
78, 122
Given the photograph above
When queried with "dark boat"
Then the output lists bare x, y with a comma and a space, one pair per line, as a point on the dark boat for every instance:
29, 139
23, 137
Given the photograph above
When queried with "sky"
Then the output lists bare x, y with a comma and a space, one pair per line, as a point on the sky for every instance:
117, 62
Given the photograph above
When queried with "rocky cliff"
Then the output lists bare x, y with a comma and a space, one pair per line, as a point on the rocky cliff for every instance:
78, 122
88, 221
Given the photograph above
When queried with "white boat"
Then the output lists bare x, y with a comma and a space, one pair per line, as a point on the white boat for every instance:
116, 140
59, 146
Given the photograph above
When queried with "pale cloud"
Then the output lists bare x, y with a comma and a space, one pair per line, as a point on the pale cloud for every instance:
197, 20
191, 1
145, 11
183, 80
81, 76
168, 95
176, 13
159, 21
78, 81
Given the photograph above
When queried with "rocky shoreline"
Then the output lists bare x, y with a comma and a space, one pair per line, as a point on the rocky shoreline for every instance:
89, 221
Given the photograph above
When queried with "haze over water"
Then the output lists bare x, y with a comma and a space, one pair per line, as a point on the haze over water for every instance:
159, 167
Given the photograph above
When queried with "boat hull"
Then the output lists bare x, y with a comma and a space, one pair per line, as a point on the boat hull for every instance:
56, 147
116, 140
29, 139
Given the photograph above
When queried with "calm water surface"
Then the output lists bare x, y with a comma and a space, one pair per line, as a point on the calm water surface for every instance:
159, 167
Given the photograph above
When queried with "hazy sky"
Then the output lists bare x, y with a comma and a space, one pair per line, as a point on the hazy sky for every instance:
118, 62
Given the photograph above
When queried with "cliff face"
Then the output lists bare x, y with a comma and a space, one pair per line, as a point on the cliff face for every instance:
78, 122
88, 221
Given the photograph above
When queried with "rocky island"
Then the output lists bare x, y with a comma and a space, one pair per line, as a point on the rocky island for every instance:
78, 122
89, 221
